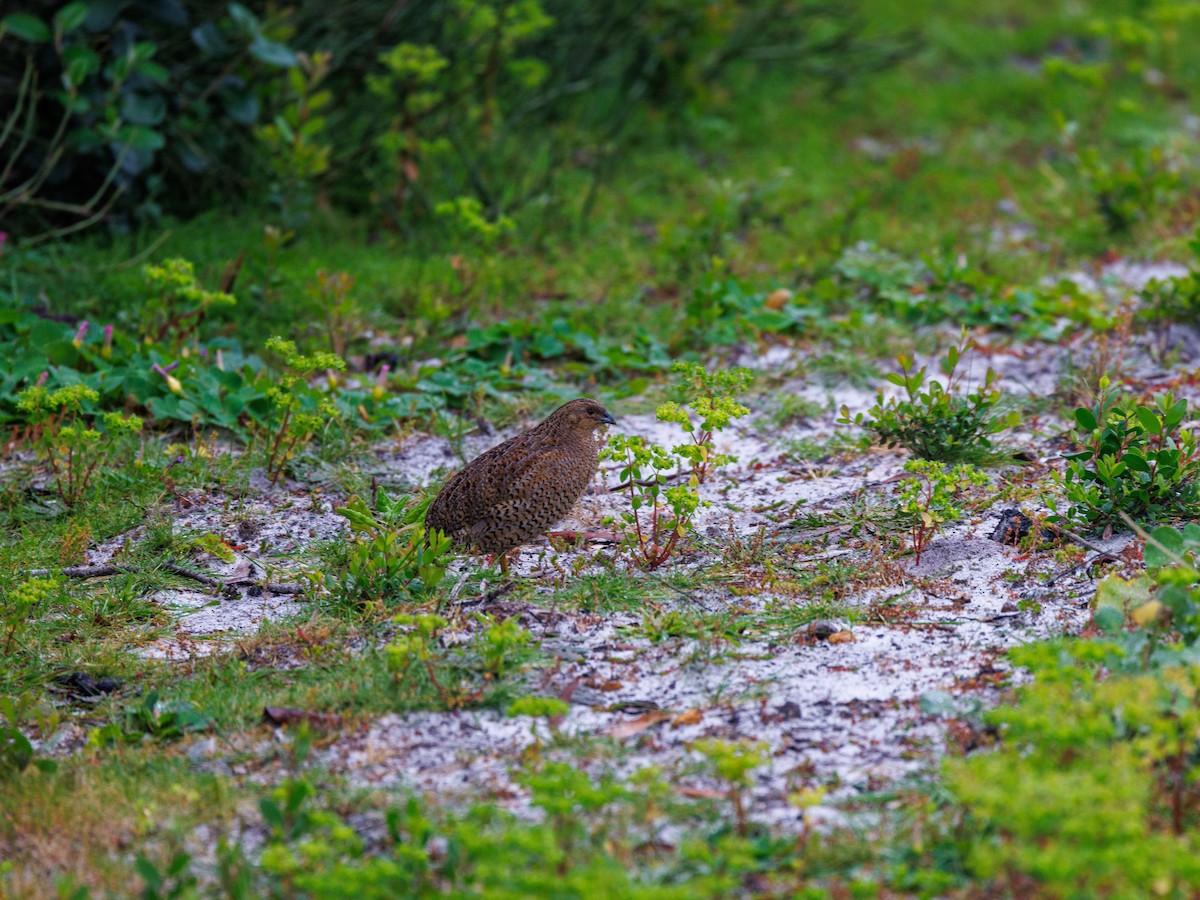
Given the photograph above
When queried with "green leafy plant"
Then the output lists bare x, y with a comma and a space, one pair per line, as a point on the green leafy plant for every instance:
19, 606
332, 293
660, 515
712, 397
16, 751
1089, 793
1092, 788
1161, 607
392, 556
1171, 557
1135, 460
930, 500
151, 719
465, 215
176, 304
734, 761
1173, 300
463, 676
538, 707
723, 310
300, 410
293, 138
501, 643
1127, 191
69, 444
115, 109
936, 420
1124, 187
174, 880
419, 646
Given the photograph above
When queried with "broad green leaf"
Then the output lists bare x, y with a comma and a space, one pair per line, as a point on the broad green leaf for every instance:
208, 38
140, 138
1175, 414
1149, 420
243, 18
152, 71
143, 109
272, 52
1136, 462
1086, 420
1109, 620
1163, 547
70, 17
80, 62
1122, 595
27, 28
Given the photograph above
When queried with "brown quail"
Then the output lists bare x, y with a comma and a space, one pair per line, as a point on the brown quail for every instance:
518, 490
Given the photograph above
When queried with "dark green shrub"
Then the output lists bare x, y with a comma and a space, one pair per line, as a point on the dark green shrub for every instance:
117, 111
473, 107
1174, 300
937, 421
392, 556
1135, 461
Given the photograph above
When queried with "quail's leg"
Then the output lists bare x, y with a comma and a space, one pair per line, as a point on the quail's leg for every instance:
503, 557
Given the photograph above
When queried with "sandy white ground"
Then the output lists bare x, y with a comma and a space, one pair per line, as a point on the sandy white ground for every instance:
846, 716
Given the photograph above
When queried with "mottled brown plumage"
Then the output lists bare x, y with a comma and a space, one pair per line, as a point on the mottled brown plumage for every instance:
518, 490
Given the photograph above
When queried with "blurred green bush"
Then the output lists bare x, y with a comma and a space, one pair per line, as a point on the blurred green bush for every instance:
119, 111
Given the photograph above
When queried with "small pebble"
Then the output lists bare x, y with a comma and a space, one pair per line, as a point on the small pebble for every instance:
824, 628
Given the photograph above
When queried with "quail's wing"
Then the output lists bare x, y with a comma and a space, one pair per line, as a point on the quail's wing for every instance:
528, 482
487, 481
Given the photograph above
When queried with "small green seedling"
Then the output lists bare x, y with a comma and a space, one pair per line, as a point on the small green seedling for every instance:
936, 420
930, 500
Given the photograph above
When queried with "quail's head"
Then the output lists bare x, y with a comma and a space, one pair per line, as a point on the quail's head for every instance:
582, 416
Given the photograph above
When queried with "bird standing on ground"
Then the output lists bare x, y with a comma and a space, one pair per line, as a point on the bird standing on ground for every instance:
518, 490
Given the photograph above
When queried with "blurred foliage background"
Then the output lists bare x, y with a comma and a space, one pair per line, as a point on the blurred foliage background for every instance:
467, 110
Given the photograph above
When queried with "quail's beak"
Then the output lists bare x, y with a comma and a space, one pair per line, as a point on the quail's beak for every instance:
607, 419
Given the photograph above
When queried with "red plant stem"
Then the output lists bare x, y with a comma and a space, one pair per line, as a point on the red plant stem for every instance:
739, 812
436, 686
70, 475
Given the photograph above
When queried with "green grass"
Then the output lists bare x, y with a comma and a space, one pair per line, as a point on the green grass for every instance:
771, 181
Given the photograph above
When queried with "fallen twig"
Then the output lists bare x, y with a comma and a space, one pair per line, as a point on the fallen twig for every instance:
494, 594
1102, 556
81, 571
274, 588
1078, 539
206, 580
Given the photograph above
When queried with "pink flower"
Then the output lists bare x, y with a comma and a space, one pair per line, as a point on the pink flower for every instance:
106, 350
380, 390
173, 383
79, 334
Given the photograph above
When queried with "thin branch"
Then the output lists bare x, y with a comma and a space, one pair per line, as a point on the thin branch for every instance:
82, 571
274, 588
85, 572
22, 95
205, 580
